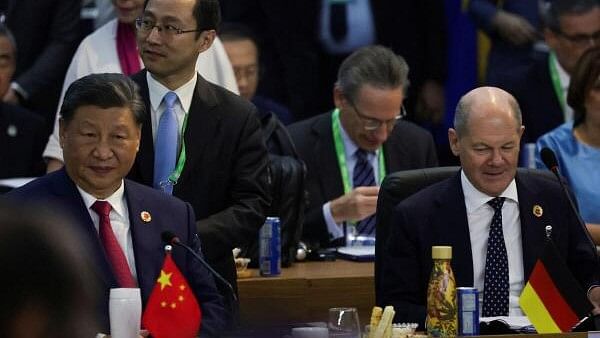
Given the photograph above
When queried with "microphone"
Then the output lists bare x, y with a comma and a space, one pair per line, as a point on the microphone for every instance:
170, 238
551, 163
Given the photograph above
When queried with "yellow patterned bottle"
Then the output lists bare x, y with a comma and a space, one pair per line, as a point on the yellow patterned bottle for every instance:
441, 295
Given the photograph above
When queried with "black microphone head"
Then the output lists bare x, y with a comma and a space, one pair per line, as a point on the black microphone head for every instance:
169, 237
549, 158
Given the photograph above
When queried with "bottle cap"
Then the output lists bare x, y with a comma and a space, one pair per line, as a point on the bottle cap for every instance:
441, 252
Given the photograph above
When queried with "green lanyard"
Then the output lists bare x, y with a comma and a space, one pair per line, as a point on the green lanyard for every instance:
341, 154
556, 83
174, 177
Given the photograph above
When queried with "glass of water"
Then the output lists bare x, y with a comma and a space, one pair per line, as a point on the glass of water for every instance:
343, 322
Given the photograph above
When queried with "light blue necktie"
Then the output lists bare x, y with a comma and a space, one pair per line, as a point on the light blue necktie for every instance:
165, 150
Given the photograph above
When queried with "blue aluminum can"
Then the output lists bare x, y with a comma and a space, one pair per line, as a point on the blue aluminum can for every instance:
468, 311
269, 242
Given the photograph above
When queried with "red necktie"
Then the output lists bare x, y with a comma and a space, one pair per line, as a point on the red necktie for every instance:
113, 250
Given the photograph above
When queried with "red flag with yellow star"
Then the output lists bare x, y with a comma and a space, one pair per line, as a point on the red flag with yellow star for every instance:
172, 310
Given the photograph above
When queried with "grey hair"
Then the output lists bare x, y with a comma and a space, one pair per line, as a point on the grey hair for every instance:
373, 65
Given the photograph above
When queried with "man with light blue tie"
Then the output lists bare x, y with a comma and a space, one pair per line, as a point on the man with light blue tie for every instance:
200, 142
349, 151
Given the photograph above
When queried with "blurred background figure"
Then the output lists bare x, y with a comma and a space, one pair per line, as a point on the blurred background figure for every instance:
113, 49
242, 49
349, 150
513, 27
46, 33
570, 28
577, 143
48, 289
22, 133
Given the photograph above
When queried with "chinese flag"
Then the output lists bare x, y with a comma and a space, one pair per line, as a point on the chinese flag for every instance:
172, 310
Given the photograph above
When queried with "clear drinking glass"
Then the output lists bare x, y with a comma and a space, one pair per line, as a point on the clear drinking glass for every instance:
343, 322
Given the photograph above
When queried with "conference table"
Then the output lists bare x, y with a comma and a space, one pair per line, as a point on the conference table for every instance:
305, 291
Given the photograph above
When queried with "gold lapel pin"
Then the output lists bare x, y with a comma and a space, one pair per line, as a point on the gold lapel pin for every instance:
146, 217
538, 211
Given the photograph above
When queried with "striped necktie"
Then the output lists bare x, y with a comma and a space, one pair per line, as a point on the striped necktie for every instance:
364, 176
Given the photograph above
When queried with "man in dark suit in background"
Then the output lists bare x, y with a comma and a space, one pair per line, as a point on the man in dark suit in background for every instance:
365, 131
219, 161
493, 218
22, 132
122, 221
571, 28
47, 33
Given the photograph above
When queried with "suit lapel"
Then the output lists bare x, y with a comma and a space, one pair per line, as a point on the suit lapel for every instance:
532, 228
143, 236
330, 177
145, 156
202, 125
452, 225
66, 191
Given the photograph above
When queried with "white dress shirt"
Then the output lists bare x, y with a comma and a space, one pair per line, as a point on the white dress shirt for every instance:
182, 105
565, 80
119, 221
479, 217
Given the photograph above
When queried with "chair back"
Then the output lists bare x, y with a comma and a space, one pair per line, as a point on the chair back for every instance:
395, 188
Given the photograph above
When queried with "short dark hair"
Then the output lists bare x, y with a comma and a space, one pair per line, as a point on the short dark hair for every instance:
555, 9
207, 14
377, 66
105, 90
585, 77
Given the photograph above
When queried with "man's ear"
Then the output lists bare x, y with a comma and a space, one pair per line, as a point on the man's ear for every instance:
454, 141
62, 126
206, 39
338, 97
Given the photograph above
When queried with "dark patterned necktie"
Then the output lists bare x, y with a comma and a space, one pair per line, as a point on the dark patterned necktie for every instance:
496, 288
338, 20
364, 176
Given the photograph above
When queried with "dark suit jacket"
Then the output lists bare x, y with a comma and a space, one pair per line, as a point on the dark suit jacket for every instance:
47, 34
408, 147
21, 152
535, 94
168, 213
225, 174
437, 216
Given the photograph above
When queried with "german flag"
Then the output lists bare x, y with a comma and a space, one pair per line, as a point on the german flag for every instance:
552, 299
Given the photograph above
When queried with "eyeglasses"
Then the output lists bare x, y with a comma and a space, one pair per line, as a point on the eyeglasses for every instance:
371, 124
145, 26
582, 40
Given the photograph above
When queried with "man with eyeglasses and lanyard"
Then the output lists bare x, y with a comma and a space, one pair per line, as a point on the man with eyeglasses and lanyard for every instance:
200, 142
349, 151
571, 28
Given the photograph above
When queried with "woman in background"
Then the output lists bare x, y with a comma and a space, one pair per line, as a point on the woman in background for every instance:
577, 143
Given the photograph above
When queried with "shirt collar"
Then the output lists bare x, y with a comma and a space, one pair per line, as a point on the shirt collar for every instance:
116, 200
474, 198
564, 77
157, 91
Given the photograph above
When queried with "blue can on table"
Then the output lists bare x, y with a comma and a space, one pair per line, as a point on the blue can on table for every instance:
468, 311
269, 243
